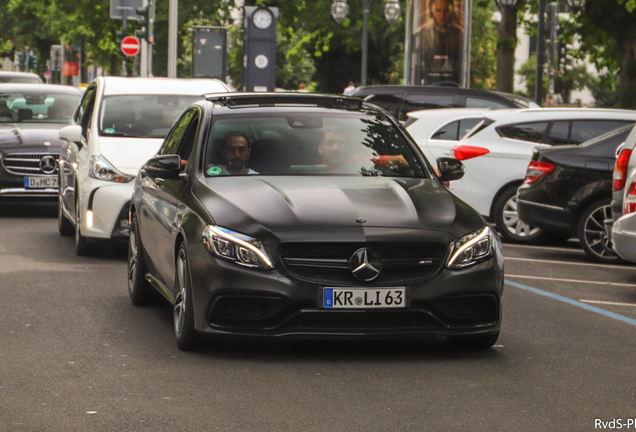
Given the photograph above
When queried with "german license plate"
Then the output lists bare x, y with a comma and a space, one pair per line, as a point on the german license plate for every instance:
358, 298
40, 182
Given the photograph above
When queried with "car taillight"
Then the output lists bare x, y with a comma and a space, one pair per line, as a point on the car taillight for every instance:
629, 205
620, 170
462, 152
536, 170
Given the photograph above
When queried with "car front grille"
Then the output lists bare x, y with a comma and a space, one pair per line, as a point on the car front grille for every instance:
27, 163
327, 263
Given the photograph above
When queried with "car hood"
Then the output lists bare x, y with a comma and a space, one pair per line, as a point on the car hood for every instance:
129, 154
250, 204
34, 138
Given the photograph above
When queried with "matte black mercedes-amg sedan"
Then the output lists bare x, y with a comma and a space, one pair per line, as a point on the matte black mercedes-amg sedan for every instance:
303, 215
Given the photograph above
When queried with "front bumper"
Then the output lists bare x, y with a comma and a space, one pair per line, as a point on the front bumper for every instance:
232, 300
109, 203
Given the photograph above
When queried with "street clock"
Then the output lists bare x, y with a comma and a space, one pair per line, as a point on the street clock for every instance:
259, 48
262, 18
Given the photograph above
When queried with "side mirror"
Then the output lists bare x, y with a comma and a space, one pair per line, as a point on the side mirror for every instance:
72, 133
167, 167
450, 169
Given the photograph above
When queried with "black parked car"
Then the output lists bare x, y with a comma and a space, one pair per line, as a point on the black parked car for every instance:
568, 189
296, 215
31, 116
399, 100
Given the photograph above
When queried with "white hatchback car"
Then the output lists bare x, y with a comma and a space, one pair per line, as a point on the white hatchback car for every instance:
119, 124
497, 150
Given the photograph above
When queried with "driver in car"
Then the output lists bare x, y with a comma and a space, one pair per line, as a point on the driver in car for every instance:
235, 152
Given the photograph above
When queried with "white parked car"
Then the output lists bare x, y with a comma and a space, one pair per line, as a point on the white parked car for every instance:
498, 148
119, 124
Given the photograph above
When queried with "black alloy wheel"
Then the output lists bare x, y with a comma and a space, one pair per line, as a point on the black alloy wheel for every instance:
64, 226
81, 242
592, 235
139, 289
183, 310
509, 226
475, 342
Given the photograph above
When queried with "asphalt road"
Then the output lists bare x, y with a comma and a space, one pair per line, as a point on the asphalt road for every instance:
77, 356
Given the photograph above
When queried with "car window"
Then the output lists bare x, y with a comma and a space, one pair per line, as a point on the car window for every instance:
583, 130
559, 133
416, 102
473, 102
83, 114
171, 144
141, 116
524, 131
37, 107
299, 143
466, 125
387, 101
448, 132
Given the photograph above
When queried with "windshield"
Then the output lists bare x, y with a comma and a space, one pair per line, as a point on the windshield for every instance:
37, 107
141, 116
308, 143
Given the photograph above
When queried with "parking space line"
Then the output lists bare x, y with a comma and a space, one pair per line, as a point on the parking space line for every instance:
561, 262
572, 280
574, 303
607, 303
509, 245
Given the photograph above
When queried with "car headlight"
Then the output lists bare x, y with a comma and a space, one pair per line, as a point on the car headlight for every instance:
99, 168
236, 247
471, 249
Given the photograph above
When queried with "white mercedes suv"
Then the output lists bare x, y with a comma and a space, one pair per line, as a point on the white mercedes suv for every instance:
119, 124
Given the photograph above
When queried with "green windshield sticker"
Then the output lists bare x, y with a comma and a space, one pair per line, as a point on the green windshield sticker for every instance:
214, 171
109, 130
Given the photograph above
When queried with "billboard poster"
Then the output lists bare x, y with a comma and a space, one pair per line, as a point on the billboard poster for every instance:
440, 42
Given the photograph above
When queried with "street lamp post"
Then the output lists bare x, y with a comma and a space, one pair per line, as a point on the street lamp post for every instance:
340, 10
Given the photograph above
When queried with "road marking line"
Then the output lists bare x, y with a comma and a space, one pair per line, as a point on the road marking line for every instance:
544, 247
608, 303
574, 303
565, 262
572, 280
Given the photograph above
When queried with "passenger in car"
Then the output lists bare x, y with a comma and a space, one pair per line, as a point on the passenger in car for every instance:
337, 153
235, 152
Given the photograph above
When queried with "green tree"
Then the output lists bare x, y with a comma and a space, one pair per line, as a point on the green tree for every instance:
608, 38
482, 46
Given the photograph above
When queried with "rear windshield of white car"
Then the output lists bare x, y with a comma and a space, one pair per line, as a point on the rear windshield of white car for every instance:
312, 143
141, 116
37, 107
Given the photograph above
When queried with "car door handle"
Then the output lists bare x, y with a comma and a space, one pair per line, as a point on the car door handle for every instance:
158, 181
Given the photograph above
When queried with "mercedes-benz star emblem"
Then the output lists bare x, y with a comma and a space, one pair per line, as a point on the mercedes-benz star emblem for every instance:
365, 264
47, 164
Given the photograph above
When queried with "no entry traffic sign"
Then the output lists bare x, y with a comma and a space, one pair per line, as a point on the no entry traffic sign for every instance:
130, 46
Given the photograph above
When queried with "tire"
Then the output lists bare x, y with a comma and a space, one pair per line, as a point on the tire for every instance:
183, 311
139, 289
64, 226
473, 342
81, 242
509, 226
592, 235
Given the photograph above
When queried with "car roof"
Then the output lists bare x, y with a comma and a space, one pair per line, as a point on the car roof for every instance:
18, 74
277, 99
446, 113
548, 114
38, 88
164, 86
377, 89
